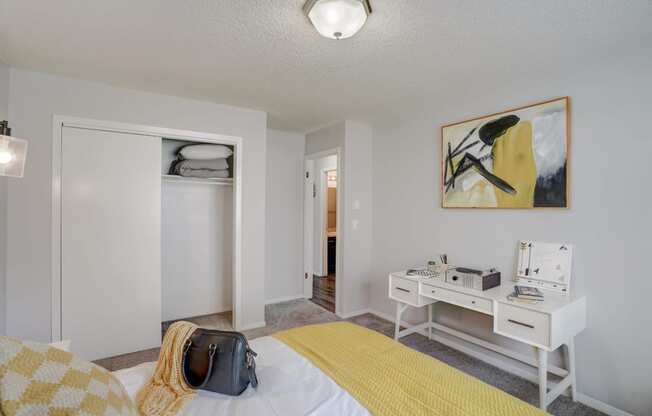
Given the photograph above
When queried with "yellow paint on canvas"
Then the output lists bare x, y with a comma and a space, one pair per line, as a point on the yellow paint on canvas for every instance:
513, 162
481, 195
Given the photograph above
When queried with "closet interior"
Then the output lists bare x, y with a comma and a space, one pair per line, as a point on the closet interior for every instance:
196, 229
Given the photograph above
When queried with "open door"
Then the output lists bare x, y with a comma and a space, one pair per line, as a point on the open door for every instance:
308, 214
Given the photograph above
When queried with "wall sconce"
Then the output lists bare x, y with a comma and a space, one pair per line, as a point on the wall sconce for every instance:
13, 152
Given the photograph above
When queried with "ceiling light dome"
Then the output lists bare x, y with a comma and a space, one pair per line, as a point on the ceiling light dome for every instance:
337, 19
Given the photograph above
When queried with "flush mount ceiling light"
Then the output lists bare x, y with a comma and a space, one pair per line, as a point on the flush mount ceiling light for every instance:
337, 19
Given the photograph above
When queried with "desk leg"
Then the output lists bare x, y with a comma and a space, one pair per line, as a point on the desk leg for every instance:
430, 321
570, 363
542, 362
397, 325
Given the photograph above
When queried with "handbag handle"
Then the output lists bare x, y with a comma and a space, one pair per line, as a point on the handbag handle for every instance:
251, 367
212, 348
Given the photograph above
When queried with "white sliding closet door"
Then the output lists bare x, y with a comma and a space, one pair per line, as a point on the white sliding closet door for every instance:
110, 242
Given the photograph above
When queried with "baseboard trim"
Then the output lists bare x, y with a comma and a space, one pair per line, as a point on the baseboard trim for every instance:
503, 365
601, 406
348, 315
284, 299
253, 326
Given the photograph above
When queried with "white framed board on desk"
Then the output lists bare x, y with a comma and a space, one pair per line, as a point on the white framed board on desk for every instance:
545, 265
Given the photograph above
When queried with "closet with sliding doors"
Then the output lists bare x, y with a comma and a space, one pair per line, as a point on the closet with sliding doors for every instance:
146, 234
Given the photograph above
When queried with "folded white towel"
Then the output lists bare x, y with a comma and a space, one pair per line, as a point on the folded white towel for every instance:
214, 164
203, 173
205, 152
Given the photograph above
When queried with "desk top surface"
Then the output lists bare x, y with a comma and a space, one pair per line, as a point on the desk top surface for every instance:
552, 302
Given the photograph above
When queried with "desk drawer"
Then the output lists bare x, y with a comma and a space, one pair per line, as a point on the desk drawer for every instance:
523, 324
461, 299
404, 290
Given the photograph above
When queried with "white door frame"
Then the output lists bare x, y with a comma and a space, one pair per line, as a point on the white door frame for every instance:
308, 226
308, 230
57, 126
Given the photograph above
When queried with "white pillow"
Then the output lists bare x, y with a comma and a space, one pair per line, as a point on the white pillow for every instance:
63, 345
205, 152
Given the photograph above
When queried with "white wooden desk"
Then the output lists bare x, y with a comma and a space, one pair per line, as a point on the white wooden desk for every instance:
546, 325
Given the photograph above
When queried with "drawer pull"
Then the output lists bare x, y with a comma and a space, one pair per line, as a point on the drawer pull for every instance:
520, 323
473, 302
402, 290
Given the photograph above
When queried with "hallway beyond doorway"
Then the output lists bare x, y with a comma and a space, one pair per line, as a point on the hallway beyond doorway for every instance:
323, 291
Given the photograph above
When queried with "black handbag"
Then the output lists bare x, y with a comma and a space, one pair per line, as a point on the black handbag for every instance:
219, 361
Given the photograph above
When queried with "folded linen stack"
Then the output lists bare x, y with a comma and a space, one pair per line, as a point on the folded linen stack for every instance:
207, 161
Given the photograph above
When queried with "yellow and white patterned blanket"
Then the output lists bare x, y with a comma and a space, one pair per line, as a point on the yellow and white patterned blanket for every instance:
37, 379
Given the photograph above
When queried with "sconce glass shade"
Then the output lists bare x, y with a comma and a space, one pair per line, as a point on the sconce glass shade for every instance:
337, 19
13, 153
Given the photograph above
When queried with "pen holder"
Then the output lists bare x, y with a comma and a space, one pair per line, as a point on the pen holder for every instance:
438, 267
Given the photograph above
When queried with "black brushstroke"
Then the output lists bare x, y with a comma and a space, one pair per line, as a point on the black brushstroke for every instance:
453, 153
463, 169
550, 191
446, 163
492, 130
488, 134
495, 180
464, 140
467, 147
450, 161
469, 161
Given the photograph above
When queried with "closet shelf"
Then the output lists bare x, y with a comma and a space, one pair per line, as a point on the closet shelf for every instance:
216, 181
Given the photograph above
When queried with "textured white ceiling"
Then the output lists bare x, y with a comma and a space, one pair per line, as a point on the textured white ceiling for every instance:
264, 54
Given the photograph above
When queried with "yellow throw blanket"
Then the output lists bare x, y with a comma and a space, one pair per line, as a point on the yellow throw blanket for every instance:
167, 393
390, 379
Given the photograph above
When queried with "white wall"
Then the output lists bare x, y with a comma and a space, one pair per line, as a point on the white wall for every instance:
196, 249
4, 115
34, 98
358, 219
609, 220
326, 138
284, 278
355, 232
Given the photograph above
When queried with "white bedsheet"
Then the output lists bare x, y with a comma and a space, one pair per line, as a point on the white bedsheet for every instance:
288, 385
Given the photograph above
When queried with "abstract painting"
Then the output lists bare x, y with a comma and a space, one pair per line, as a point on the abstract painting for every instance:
514, 159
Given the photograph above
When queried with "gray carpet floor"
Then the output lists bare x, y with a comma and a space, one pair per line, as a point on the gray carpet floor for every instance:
296, 313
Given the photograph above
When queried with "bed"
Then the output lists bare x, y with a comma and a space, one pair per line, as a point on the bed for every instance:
344, 369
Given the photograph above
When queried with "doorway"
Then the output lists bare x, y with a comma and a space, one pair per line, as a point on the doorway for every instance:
322, 229
324, 283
